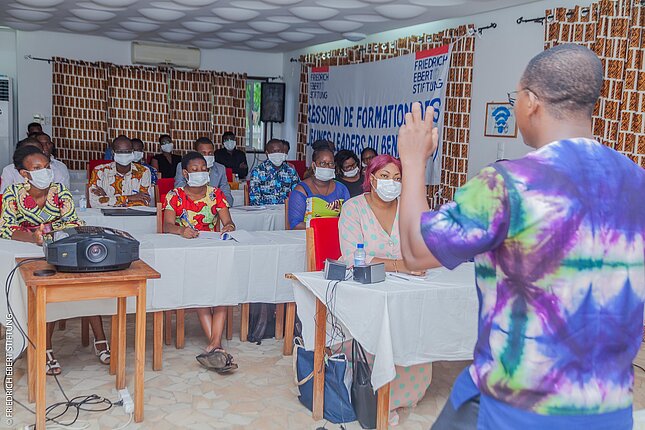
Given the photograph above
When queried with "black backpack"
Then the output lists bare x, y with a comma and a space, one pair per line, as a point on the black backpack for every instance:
262, 322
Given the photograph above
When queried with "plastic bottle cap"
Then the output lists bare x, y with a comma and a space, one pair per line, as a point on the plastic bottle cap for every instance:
359, 245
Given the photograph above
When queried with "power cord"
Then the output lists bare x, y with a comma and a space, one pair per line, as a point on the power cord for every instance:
76, 404
638, 367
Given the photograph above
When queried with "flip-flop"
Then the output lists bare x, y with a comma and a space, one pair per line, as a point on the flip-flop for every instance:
217, 360
230, 366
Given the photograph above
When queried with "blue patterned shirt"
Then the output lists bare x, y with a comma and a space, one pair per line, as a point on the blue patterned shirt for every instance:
153, 172
271, 185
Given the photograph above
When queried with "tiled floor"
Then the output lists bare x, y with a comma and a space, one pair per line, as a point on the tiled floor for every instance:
260, 395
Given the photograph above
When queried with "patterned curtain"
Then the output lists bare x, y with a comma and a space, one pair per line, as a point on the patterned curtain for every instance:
191, 107
229, 106
138, 104
456, 130
615, 31
79, 111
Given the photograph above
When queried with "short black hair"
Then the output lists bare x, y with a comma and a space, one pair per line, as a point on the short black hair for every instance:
136, 139
323, 143
272, 142
23, 152
28, 141
120, 138
190, 156
42, 133
368, 150
202, 141
344, 155
228, 134
34, 124
287, 144
163, 136
318, 152
567, 78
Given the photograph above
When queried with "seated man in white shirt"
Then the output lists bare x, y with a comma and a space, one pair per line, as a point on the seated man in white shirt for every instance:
10, 175
61, 174
121, 182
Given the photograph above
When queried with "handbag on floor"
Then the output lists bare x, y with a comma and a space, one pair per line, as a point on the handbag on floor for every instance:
364, 398
337, 405
261, 321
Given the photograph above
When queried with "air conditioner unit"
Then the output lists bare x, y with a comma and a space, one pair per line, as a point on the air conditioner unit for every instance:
163, 54
7, 126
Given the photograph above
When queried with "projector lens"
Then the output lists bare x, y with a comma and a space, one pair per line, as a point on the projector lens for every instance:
96, 252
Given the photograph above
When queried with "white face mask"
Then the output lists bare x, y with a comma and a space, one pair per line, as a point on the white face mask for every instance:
229, 145
41, 178
124, 159
324, 173
352, 173
167, 147
137, 156
277, 158
197, 179
388, 189
210, 160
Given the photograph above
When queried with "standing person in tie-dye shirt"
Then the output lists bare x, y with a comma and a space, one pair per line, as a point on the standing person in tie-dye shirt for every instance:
557, 238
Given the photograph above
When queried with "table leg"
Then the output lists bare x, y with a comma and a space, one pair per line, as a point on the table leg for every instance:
120, 364
157, 340
180, 341
41, 346
140, 352
383, 407
167, 327
287, 348
114, 344
319, 361
244, 322
85, 331
31, 352
229, 322
279, 321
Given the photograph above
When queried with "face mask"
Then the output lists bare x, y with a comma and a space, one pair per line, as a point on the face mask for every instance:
324, 173
41, 178
210, 160
229, 145
197, 179
352, 173
167, 147
137, 156
124, 159
277, 158
388, 189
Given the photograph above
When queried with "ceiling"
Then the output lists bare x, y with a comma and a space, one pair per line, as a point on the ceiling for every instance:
268, 25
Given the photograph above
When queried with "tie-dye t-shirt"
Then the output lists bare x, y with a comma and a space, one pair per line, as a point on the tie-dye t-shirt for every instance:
557, 238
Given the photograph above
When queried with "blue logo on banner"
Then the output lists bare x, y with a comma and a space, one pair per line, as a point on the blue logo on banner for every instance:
501, 115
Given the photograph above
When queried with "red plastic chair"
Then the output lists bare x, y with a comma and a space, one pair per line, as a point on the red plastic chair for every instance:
300, 166
93, 163
322, 242
161, 189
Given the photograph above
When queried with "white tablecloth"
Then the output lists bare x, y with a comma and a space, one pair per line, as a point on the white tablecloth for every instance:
401, 322
238, 197
271, 218
78, 191
194, 272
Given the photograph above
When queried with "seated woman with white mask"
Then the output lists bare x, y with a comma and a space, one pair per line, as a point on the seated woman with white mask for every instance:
188, 210
319, 195
349, 172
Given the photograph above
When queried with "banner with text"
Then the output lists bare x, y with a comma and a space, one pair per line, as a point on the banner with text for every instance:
363, 105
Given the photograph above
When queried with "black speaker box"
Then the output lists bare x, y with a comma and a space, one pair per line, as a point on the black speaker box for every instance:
272, 102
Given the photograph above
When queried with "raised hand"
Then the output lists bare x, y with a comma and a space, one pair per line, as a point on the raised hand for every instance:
418, 138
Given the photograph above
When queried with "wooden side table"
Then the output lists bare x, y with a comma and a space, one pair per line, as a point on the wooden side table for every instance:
67, 287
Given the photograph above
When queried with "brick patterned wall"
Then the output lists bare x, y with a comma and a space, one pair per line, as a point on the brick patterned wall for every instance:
456, 130
191, 107
79, 111
138, 104
229, 107
615, 31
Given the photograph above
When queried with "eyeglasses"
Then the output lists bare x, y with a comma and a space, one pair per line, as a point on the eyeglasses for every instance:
330, 165
123, 151
350, 167
512, 96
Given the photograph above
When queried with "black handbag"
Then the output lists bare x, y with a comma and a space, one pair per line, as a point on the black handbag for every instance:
363, 395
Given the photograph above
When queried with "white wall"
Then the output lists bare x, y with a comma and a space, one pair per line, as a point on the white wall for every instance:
8, 68
34, 83
500, 57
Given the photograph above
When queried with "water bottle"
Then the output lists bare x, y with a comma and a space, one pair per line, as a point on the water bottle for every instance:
82, 204
359, 255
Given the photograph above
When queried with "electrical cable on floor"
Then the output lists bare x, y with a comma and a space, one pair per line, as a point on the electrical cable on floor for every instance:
640, 367
78, 403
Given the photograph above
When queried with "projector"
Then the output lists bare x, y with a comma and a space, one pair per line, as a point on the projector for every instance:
91, 249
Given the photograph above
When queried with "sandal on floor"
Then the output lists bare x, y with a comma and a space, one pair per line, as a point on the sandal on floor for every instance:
51, 366
218, 360
104, 355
